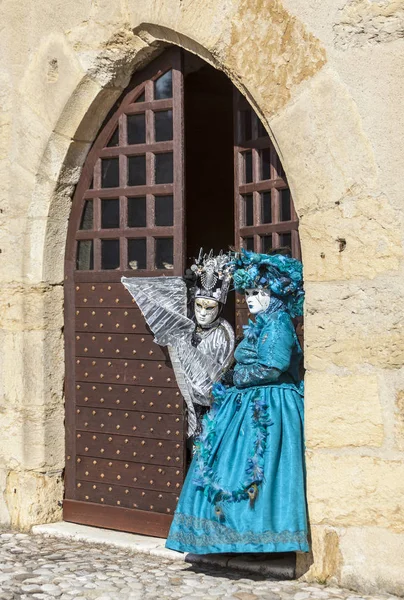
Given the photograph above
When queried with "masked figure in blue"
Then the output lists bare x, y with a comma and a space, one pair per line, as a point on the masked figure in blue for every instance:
245, 489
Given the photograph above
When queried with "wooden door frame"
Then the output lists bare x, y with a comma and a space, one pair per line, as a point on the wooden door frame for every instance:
152, 523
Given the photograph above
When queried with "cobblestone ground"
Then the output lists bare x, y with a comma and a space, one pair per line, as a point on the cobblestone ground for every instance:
32, 566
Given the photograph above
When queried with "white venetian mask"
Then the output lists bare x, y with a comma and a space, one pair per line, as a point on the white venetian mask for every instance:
206, 311
257, 299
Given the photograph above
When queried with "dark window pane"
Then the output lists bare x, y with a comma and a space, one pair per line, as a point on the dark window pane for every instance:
261, 130
85, 255
163, 86
137, 212
266, 243
248, 210
284, 202
164, 168
285, 240
137, 170
248, 176
246, 126
137, 254
136, 129
248, 243
114, 139
265, 164
109, 214
91, 184
109, 172
140, 98
164, 253
164, 214
266, 207
109, 254
163, 125
87, 216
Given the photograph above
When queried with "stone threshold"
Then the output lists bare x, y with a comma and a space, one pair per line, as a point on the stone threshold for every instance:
271, 566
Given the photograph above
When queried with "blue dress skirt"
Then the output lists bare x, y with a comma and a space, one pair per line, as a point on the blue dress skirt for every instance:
245, 489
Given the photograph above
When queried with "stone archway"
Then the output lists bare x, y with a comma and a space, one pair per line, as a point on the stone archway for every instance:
317, 130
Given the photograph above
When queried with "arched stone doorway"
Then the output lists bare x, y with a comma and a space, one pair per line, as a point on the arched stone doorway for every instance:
178, 121
314, 105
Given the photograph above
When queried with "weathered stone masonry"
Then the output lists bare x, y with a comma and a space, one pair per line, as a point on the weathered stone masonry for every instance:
326, 79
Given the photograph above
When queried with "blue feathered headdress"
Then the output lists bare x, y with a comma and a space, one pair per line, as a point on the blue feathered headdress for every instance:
282, 275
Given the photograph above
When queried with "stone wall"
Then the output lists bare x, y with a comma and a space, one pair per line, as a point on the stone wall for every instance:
326, 79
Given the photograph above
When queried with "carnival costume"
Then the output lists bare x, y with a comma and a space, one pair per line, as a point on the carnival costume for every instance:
199, 355
245, 489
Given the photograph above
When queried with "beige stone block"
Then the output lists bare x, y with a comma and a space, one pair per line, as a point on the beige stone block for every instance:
33, 308
21, 259
342, 411
32, 436
363, 23
63, 159
11, 444
5, 134
112, 62
12, 244
354, 491
18, 197
31, 137
358, 238
372, 560
34, 498
50, 77
197, 25
85, 110
324, 561
32, 368
324, 150
4, 514
354, 323
280, 55
399, 420
366, 559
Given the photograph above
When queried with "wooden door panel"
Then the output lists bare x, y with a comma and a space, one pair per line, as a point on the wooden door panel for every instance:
119, 345
111, 320
103, 294
129, 474
125, 419
148, 500
136, 449
148, 372
103, 395
127, 422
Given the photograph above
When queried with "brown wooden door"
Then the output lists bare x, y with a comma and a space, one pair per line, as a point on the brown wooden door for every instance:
125, 425
265, 218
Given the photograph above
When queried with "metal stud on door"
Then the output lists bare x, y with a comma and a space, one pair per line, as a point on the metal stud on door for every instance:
125, 423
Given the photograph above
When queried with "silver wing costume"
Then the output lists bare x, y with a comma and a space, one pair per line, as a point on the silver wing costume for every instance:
197, 366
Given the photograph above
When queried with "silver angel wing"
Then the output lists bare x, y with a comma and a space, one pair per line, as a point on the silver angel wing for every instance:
163, 302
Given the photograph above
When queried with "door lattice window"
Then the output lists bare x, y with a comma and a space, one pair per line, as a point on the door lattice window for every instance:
132, 211
265, 215
265, 218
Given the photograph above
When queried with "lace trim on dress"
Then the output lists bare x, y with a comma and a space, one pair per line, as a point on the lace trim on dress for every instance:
205, 532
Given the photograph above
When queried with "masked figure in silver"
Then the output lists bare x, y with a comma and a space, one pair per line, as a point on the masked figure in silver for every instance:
200, 352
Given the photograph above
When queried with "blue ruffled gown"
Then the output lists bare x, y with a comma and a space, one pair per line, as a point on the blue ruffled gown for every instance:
245, 489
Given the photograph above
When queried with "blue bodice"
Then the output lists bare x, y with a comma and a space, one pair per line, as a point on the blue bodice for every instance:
270, 351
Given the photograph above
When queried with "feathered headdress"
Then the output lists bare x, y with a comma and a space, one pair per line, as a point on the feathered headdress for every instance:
282, 275
213, 276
